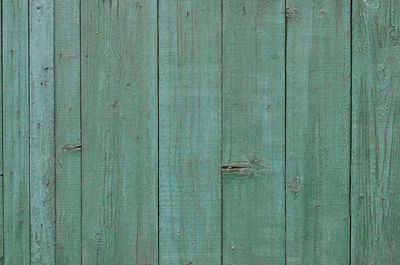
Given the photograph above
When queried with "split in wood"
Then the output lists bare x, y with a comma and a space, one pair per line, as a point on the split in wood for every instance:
242, 167
72, 146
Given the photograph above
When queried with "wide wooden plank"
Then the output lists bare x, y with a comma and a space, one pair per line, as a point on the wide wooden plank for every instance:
190, 132
67, 134
16, 131
318, 132
42, 141
376, 133
119, 132
253, 132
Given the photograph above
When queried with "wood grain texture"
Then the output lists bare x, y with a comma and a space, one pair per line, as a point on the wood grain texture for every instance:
376, 132
1, 147
253, 132
119, 132
42, 141
249, 119
16, 131
68, 132
190, 132
318, 132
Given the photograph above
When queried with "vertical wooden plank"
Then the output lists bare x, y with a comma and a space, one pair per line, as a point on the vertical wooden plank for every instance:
119, 131
376, 132
42, 142
16, 131
190, 138
68, 142
1, 144
318, 131
253, 132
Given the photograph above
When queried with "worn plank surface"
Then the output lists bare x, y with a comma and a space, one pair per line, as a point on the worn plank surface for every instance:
199, 132
42, 141
318, 132
190, 138
376, 132
1, 146
16, 131
253, 132
67, 134
119, 132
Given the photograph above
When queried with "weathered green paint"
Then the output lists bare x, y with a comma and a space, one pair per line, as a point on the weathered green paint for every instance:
253, 132
1, 148
67, 133
119, 132
239, 114
376, 133
190, 132
42, 141
16, 132
318, 132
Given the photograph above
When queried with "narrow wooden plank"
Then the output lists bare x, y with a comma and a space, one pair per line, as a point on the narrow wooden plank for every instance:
68, 151
42, 142
376, 132
119, 132
16, 131
318, 131
1, 146
190, 137
253, 132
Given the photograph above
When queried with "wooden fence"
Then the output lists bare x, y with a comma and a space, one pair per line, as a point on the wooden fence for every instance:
200, 132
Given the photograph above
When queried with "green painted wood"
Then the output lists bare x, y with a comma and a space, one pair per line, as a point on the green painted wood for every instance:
253, 132
67, 134
1, 148
42, 141
190, 132
16, 132
221, 89
376, 132
318, 132
119, 132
